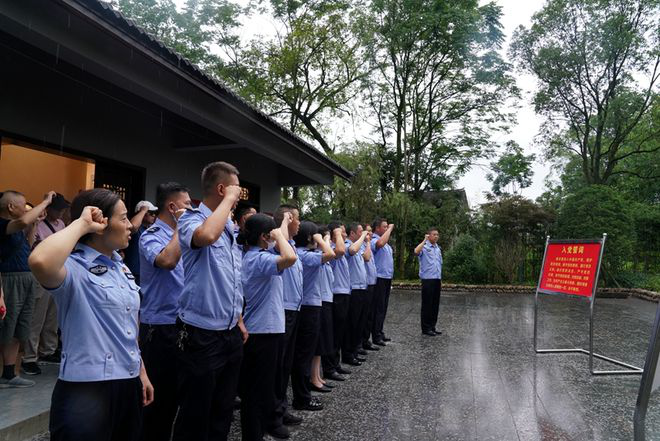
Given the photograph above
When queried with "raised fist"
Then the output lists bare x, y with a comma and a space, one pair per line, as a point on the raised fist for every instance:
94, 219
233, 192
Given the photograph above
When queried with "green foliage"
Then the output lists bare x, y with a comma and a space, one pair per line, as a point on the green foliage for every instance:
596, 62
512, 169
514, 230
436, 89
464, 262
595, 210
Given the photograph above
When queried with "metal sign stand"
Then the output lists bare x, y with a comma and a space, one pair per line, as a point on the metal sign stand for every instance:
649, 379
630, 369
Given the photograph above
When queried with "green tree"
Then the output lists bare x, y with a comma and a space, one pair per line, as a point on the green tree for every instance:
513, 170
437, 87
597, 63
311, 71
598, 209
436, 91
514, 229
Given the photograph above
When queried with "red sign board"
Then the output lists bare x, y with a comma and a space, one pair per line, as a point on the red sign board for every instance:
570, 268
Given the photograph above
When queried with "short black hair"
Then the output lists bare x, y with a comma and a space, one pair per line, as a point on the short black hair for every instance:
240, 211
255, 226
353, 226
305, 232
103, 199
165, 190
214, 172
284, 208
332, 225
376, 223
432, 229
323, 229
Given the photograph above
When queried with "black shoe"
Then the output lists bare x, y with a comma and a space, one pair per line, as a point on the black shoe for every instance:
437, 332
237, 403
291, 420
361, 359
369, 347
380, 343
50, 359
429, 333
342, 371
352, 362
323, 389
386, 338
312, 406
330, 385
335, 377
361, 352
30, 368
280, 432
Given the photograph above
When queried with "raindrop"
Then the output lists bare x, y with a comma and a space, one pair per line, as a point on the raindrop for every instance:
62, 136
57, 54
68, 21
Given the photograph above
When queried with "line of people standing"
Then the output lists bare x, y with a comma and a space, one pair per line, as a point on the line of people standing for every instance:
227, 309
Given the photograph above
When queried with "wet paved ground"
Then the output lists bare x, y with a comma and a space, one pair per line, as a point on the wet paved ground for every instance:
481, 380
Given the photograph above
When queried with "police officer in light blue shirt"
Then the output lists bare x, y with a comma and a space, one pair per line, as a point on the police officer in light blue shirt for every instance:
292, 287
161, 280
341, 299
101, 376
372, 277
325, 345
383, 258
210, 327
352, 345
312, 251
264, 318
430, 272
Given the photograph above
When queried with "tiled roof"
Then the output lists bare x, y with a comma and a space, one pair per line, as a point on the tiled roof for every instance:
105, 12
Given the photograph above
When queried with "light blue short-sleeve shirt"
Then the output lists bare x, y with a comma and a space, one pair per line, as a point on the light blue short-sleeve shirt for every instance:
430, 262
264, 308
211, 297
342, 283
312, 260
383, 259
292, 278
97, 312
370, 266
327, 280
356, 268
161, 288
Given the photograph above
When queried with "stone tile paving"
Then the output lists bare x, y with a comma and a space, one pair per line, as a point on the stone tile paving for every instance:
481, 380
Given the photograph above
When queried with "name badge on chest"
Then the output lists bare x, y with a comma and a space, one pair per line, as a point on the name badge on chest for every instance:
129, 275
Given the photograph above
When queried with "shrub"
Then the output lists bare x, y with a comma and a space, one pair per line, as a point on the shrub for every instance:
464, 261
595, 210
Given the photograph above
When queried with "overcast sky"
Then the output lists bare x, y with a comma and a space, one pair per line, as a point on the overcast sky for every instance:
515, 13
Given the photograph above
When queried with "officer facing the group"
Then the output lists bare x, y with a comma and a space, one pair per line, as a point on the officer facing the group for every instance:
430, 271
161, 274
210, 327
103, 383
